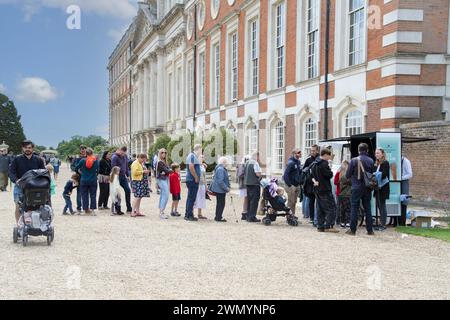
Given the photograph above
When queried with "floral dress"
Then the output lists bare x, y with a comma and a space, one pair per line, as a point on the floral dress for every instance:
141, 188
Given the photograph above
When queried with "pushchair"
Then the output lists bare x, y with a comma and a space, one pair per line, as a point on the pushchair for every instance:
273, 209
36, 213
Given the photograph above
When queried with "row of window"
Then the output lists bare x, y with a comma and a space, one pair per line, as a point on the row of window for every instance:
277, 55
120, 66
120, 88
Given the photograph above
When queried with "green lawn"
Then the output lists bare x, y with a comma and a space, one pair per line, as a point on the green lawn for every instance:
441, 234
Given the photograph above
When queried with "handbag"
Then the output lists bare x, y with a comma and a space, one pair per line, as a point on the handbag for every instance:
370, 181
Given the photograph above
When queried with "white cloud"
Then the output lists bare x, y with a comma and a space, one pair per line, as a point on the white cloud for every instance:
2, 88
124, 9
34, 89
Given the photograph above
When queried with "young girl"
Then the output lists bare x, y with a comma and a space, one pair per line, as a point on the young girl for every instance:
115, 191
68, 188
175, 189
345, 193
50, 170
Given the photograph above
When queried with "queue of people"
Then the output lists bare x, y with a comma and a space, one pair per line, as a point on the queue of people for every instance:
117, 176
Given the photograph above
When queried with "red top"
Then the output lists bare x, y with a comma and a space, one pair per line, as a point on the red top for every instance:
175, 183
336, 183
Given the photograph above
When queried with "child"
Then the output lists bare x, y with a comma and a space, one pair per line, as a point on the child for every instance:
345, 193
114, 187
175, 189
68, 188
50, 170
280, 197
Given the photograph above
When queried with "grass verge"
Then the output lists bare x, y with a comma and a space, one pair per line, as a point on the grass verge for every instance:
441, 234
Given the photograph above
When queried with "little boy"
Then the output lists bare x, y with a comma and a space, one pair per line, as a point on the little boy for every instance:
68, 188
175, 189
280, 198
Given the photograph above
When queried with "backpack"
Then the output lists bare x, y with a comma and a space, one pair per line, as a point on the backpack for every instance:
306, 179
90, 162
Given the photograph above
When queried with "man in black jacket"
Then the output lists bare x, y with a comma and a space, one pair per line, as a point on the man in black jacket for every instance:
19, 166
307, 188
291, 177
326, 206
360, 193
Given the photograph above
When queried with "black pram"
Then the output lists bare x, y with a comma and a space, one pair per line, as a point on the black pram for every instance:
273, 209
36, 213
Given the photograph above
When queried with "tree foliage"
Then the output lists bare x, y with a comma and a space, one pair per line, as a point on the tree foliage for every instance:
11, 130
72, 147
161, 142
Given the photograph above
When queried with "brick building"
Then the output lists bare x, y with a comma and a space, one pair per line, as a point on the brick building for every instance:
257, 68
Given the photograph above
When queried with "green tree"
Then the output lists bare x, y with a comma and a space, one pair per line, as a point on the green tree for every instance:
72, 147
161, 142
11, 130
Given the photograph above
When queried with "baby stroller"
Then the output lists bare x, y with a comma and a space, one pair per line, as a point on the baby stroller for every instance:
273, 209
36, 213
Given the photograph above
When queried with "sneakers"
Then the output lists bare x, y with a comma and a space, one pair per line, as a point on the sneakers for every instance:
163, 216
175, 214
347, 225
190, 219
343, 225
65, 213
244, 216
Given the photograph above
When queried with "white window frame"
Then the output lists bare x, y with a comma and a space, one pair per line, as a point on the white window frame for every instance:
278, 136
280, 44
312, 31
190, 87
353, 122
356, 56
254, 56
215, 74
201, 70
251, 138
179, 90
234, 66
310, 134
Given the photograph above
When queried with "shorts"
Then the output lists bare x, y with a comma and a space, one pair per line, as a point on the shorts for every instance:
18, 193
56, 169
176, 196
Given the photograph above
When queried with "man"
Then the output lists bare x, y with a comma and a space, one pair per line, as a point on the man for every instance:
308, 186
73, 166
252, 180
359, 190
326, 207
5, 161
291, 177
120, 159
407, 175
193, 174
19, 166
56, 163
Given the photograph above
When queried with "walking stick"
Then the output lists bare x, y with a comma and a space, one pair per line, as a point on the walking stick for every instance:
234, 209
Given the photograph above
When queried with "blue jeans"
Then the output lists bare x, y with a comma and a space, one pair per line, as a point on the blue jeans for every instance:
18, 193
190, 199
68, 205
89, 194
79, 202
164, 193
305, 207
126, 187
365, 196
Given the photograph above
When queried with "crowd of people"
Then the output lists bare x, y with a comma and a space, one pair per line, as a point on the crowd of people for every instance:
117, 176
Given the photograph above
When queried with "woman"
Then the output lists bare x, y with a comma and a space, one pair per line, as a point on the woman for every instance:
139, 183
200, 201
381, 170
162, 178
242, 187
88, 182
104, 171
220, 186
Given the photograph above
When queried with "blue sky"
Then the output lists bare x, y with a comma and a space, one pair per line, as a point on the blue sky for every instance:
57, 77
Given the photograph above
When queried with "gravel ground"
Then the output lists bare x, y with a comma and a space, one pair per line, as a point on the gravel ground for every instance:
106, 257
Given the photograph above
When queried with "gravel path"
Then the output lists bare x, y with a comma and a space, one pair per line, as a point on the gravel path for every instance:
108, 257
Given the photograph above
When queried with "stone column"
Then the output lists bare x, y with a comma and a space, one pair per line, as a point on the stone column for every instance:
146, 111
140, 116
141, 137
148, 143
153, 94
161, 103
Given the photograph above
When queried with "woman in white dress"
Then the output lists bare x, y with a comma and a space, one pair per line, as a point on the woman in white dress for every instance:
200, 201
